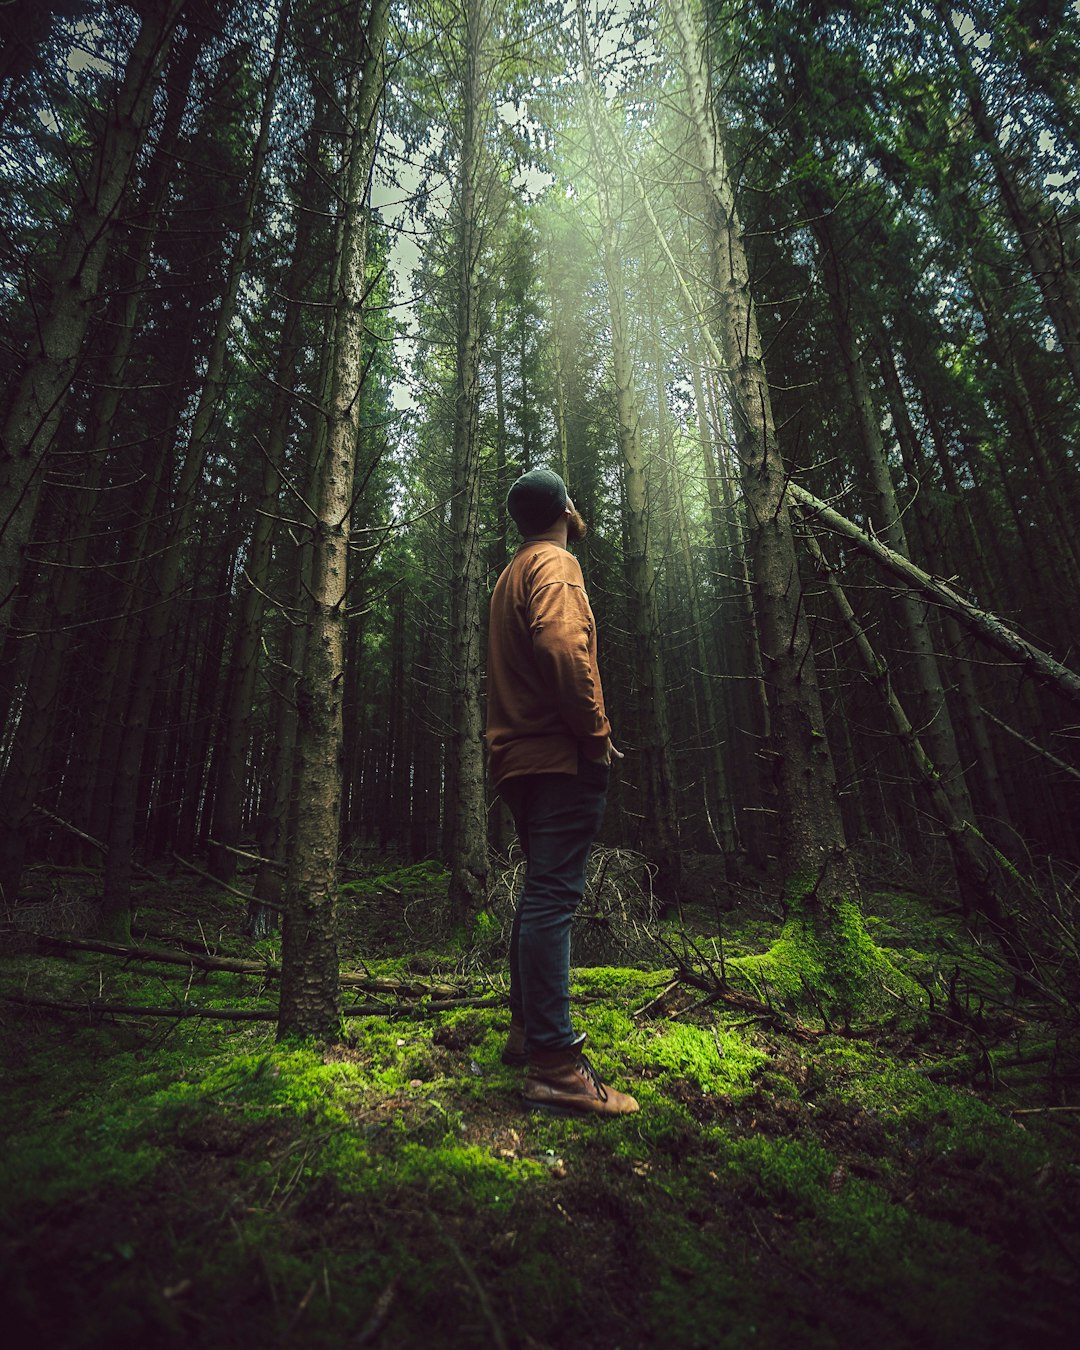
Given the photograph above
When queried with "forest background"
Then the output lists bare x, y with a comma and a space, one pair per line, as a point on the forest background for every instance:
257, 437
291, 292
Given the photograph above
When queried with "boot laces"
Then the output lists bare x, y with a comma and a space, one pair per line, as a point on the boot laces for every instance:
588, 1072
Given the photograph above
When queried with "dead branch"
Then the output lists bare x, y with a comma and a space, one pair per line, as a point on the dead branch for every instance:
251, 857
224, 885
1037, 664
717, 990
1031, 745
96, 1007
236, 966
102, 848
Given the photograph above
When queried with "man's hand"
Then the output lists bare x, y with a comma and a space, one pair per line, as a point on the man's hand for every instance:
610, 754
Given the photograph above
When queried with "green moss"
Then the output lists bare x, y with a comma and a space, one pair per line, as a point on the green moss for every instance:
716, 1060
830, 967
414, 879
615, 982
466, 1172
950, 1122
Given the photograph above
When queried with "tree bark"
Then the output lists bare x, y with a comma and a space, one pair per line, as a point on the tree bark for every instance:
310, 997
814, 856
466, 817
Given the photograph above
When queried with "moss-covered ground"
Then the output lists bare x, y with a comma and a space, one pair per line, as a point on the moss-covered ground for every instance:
909, 1183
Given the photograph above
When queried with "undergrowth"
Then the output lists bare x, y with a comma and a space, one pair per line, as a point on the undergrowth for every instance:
911, 1183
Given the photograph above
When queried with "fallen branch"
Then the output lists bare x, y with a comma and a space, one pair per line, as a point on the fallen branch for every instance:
236, 966
1039, 665
224, 886
179, 1011
717, 990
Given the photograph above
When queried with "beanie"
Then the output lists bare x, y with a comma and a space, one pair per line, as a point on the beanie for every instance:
536, 500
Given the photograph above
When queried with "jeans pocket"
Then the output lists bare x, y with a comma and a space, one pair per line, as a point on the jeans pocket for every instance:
594, 773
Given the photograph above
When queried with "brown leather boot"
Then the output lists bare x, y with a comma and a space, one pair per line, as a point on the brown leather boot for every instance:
572, 1087
514, 1051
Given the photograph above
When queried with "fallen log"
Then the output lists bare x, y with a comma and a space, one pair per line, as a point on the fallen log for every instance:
236, 966
182, 1011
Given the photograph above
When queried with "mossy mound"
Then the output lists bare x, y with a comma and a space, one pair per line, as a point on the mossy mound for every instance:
831, 969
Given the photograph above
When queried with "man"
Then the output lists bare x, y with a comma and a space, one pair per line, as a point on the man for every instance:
550, 752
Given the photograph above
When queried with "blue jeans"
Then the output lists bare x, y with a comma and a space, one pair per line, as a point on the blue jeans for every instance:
557, 816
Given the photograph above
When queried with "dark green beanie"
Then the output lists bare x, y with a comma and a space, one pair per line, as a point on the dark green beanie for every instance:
536, 500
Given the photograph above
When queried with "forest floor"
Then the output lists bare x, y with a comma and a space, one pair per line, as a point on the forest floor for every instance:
188, 1182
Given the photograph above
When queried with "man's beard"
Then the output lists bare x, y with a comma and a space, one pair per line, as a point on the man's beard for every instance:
576, 529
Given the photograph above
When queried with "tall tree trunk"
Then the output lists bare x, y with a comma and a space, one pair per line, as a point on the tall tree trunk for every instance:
310, 998
815, 860
34, 411
466, 817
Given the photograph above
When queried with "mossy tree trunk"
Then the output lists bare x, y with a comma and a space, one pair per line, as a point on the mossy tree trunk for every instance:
824, 954
310, 997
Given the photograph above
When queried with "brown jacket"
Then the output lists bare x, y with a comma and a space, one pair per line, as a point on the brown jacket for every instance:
544, 698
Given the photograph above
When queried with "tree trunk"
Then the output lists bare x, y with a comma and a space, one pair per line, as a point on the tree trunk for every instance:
824, 954
310, 998
466, 817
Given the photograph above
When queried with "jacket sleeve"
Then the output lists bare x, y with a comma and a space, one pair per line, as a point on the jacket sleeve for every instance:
564, 644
